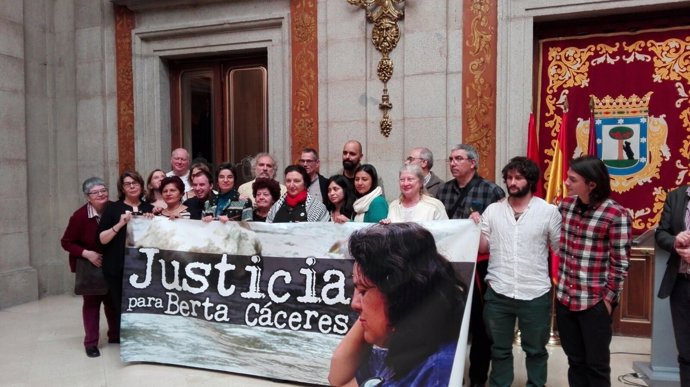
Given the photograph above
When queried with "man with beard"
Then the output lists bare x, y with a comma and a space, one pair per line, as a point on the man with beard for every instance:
264, 166
467, 195
201, 185
517, 232
352, 158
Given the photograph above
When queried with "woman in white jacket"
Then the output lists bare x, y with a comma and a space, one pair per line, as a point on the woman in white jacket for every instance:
414, 204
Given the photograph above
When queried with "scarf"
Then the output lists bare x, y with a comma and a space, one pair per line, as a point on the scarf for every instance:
361, 205
293, 201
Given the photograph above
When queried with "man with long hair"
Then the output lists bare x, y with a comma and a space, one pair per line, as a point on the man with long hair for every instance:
594, 251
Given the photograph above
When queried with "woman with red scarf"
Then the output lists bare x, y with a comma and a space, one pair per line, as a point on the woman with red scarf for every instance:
296, 205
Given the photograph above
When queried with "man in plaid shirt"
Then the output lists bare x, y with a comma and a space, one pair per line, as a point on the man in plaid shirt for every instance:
594, 251
466, 196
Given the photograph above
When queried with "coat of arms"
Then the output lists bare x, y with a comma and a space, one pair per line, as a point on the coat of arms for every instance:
629, 141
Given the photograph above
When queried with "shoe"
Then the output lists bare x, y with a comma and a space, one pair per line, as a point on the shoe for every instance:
92, 352
114, 341
477, 384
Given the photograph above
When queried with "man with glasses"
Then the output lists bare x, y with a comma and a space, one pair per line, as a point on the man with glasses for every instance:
425, 159
318, 187
466, 196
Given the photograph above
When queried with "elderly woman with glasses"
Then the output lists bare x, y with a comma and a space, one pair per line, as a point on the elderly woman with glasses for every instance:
80, 240
410, 303
113, 233
414, 204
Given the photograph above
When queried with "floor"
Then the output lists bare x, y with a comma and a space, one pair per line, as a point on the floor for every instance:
42, 346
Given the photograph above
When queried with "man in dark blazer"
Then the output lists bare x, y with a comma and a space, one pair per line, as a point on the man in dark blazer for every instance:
673, 235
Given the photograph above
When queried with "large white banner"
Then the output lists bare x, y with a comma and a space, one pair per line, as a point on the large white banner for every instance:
270, 300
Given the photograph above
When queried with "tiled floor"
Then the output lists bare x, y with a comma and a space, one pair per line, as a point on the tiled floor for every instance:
42, 346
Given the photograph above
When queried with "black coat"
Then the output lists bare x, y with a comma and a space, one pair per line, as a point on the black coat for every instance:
672, 222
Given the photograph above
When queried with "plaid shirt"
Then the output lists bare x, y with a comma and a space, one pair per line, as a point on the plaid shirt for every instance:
595, 244
481, 194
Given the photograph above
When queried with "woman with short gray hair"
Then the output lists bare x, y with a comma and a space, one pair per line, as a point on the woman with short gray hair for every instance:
80, 240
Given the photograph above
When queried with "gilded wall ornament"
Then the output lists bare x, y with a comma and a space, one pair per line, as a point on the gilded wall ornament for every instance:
385, 35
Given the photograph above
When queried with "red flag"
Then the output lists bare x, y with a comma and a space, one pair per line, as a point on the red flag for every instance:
533, 151
592, 143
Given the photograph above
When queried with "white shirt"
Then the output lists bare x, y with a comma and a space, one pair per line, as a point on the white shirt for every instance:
427, 208
519, 249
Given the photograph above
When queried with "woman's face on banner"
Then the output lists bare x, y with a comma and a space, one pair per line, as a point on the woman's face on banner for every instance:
372, 307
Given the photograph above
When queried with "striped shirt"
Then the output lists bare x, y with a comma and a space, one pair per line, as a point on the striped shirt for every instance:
594, 253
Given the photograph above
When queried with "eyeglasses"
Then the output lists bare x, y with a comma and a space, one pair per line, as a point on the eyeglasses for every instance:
458, 159
303, 161
99, 192
411, 159
130, 184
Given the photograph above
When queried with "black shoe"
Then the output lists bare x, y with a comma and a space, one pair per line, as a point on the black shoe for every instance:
92, 352
114, 341
477, 384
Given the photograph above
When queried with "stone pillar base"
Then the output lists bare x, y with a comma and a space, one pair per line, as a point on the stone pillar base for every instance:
18, 286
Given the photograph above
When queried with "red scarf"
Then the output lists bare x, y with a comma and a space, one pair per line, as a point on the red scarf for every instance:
293, 201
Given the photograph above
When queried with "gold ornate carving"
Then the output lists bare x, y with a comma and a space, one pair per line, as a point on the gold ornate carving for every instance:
569, 67
479, 81
385, 35
621, 106
305, 119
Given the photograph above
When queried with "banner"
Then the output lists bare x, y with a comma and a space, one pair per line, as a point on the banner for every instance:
269, 300
633, 88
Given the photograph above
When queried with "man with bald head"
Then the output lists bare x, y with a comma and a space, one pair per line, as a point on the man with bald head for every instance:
425, 159
352, 158
179, 162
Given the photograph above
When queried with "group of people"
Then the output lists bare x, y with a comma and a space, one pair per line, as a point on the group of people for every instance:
589, 231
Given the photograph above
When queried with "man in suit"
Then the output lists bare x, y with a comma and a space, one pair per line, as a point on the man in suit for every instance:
673, 235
